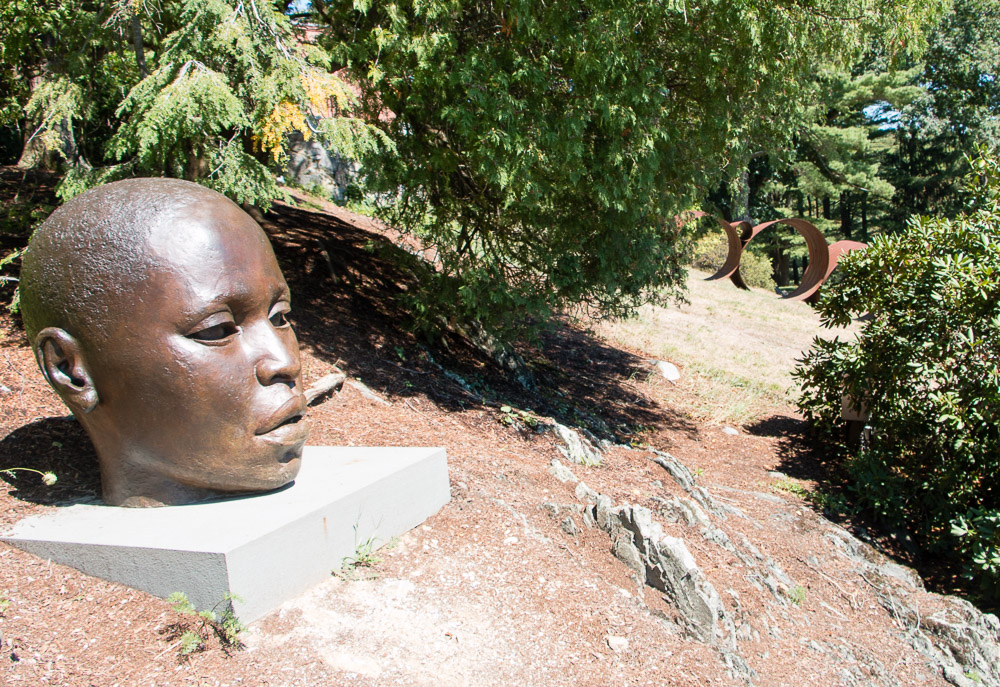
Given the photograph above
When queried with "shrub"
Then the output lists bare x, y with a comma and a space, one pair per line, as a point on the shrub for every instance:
926, 366
710, 251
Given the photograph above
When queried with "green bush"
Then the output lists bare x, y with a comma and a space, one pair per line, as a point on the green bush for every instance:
710, 251
926, 366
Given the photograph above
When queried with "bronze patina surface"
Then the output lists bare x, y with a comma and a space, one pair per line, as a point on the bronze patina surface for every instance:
158, 313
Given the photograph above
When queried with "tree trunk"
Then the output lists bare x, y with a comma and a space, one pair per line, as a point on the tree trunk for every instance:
781, 266
826, 207
140, 55
864, 218
48, 152
845, 214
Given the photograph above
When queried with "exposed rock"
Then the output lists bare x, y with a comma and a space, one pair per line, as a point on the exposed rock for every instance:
561, 472
961, 639
312, 167
585, 493
685, 479
731, 431
617, 644
569, 527
665, 563
577, 448
668, 370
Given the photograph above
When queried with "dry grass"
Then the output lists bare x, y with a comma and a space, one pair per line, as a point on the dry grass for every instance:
736, 349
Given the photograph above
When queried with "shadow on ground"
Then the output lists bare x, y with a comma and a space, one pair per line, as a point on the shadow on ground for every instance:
349, 291
55, 444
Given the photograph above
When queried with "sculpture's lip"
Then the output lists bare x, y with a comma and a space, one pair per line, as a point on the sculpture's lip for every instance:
286, 420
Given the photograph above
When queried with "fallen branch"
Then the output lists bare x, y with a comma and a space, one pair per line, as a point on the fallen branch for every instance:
324, 386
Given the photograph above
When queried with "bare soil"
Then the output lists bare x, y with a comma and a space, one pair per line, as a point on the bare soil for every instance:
494, 589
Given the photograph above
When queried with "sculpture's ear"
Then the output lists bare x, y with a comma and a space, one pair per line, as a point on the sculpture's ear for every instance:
61, 360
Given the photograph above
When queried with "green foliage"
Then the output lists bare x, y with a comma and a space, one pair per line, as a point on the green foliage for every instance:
797, 595
709, 253
542, 150
364, 556
517, 418
926, 366
959, 109
209, 93
225, 625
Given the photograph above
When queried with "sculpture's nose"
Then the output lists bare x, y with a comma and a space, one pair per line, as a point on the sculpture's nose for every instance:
278, 362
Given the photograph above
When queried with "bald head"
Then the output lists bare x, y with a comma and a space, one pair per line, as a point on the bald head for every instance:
88, 257
158, 313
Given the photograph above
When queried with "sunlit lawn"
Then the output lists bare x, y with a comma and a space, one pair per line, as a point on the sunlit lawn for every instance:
736, 349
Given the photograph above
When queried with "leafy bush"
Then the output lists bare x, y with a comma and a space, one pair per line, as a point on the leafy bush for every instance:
926, 366
710, 251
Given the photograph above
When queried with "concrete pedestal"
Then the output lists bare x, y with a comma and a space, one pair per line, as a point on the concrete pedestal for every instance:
266, 548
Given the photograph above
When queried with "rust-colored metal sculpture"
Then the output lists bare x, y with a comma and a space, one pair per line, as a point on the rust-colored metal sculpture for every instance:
157, 312
823, 258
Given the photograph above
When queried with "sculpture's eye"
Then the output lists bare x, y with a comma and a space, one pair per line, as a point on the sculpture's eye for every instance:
279, 316
214, 331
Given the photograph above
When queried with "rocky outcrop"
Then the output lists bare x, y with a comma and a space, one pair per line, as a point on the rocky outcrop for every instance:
959, 640
314, 168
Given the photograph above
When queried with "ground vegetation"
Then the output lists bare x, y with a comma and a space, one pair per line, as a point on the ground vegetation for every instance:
924, 371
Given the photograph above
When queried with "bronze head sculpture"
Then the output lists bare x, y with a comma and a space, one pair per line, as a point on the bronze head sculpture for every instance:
158, 313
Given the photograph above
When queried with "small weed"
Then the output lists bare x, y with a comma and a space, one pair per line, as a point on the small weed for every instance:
192, 638
797, 595
364, 557
974, 676
400, 353
4, 604
698, 472
794, 488
49, 478
514, 417
828, 502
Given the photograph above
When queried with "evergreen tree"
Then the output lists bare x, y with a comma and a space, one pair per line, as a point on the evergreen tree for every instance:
211, 88
959, 111
544, 147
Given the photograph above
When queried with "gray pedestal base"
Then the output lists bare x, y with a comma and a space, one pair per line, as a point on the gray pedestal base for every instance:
266, 548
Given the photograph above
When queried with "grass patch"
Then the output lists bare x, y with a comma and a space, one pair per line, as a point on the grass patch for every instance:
737, 348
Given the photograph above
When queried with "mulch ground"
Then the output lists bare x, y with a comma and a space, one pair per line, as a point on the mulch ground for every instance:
349, 282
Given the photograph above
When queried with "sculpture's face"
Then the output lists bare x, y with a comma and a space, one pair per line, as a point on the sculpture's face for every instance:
200, 381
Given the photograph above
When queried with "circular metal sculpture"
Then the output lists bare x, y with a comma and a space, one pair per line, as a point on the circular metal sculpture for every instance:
823, 258
157, 312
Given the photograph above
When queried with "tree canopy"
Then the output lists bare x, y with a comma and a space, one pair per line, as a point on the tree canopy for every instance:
200, 89
544, 149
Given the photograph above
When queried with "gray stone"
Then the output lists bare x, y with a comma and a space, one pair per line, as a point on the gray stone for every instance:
588, 517
675, 573
577, 448
731, 431
668, 370
311, 166
561, 472
569, 527
265, 548
585, 493
625, 551
617, 644
603, 512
